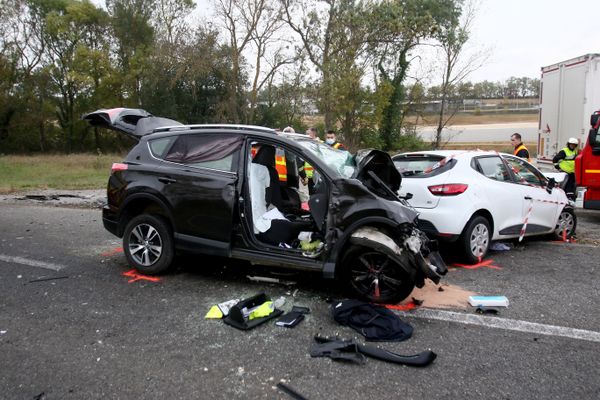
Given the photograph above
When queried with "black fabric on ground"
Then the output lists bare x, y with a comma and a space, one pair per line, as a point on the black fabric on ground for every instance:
374, 323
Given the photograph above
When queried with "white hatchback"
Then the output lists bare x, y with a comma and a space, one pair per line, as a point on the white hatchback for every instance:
473, 197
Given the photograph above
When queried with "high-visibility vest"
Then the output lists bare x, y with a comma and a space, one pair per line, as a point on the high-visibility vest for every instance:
280, 165
308, 170
519, 148
567, 164
337, 145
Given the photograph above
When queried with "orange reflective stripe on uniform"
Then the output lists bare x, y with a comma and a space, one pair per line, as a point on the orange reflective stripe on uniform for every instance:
281, 168
521, 147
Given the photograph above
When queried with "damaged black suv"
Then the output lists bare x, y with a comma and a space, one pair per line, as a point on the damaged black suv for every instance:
238, 191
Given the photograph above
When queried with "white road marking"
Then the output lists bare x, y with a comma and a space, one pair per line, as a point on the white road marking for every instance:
31, 263
503, 323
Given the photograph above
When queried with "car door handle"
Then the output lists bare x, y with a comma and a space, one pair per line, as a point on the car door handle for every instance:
167, 180
527, 198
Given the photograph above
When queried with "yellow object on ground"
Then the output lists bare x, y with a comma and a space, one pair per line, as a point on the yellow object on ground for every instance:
263, 310
214, 313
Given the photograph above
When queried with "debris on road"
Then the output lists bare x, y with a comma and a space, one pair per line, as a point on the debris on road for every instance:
351, 350
138, 277
270, 280
288, 390
489, 301
500, 246
251, 312
48, 279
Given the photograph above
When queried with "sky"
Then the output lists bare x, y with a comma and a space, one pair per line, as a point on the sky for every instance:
526, 35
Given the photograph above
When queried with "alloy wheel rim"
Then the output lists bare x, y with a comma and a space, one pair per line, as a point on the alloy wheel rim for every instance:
145, 244
373, 274
479, 240
565, 222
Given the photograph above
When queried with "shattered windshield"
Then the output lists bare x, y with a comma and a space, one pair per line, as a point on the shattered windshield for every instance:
340, 161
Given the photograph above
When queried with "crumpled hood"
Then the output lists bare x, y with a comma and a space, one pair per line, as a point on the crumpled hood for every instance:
375, 167
353, 200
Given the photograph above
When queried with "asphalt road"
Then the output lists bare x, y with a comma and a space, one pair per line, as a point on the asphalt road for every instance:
484, 132
91, 334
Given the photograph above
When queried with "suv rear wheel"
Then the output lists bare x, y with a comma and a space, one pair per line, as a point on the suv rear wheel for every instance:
374, 276
148, 244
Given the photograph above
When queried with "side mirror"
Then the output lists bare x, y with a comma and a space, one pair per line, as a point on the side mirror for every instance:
407, 196
551, 185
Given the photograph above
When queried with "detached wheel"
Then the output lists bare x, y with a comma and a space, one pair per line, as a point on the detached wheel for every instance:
148, 244
567, 221
475, 239
375, 277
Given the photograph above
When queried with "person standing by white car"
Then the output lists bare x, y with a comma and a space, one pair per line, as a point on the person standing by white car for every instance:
564, 161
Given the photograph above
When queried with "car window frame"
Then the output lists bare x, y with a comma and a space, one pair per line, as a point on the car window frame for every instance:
235, 167
479, 169
538, 173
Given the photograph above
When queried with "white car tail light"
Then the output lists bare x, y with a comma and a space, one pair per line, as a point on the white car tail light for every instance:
448, 189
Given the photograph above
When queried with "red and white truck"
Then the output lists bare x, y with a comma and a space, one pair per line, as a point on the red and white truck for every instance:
569, 94
587, 165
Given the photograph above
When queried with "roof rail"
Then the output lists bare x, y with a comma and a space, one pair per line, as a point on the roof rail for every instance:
254, 128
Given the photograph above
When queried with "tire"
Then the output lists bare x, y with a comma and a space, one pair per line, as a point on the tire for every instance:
475, 240
568, 219
363, 267
148, 244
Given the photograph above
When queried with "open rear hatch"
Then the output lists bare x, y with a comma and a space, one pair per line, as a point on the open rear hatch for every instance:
131, 121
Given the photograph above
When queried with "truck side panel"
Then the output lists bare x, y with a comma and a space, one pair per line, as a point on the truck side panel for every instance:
570, 93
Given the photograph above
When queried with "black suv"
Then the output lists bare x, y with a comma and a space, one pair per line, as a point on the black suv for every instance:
238, 191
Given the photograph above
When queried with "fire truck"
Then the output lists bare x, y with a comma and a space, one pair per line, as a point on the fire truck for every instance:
587, 166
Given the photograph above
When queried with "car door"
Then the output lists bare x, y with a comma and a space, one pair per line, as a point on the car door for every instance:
532, 185
497, 189
200, 183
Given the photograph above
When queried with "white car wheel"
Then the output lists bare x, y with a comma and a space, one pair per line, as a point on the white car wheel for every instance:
476, 239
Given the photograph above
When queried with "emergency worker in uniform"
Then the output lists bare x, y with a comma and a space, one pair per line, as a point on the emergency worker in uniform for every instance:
564, 161
331, 140
520, 149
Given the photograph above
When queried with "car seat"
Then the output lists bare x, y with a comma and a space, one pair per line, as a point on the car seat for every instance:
266, 157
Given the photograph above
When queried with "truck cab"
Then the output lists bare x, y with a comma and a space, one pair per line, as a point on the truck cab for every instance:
587, 166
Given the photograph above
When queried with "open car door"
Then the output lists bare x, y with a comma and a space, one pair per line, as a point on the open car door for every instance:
133, 122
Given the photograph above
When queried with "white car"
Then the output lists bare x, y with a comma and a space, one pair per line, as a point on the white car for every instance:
474, 197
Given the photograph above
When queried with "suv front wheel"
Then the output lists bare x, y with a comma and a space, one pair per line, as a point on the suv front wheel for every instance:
148, 244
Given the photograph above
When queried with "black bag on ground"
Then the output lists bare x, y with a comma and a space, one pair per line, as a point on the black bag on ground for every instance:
377, 324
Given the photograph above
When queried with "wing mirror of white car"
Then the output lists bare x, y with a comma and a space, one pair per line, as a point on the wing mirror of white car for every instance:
551, 184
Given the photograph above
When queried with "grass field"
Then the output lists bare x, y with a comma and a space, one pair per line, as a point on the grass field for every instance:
75, 171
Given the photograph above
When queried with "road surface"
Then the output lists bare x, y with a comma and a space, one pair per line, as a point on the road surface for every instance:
484, 133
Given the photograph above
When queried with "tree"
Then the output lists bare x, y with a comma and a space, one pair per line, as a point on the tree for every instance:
401, 25
334, 34
452, 39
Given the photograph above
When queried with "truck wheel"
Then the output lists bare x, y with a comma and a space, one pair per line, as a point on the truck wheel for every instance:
475, 239
375, 277
567, 221
148, 244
